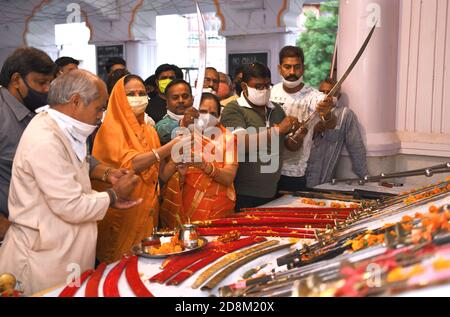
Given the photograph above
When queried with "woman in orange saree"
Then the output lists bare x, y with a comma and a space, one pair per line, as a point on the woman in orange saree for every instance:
205, 190
125, 140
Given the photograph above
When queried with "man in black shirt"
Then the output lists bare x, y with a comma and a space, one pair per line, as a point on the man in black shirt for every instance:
25, 80
157, 107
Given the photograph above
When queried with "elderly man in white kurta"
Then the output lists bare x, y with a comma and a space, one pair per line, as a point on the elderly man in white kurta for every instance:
53, 210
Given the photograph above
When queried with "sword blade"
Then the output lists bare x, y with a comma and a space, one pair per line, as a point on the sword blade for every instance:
202, 59
333, 61
353, 64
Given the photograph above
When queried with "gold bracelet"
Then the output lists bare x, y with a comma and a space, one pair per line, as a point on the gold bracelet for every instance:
212, 169
215, 172
158, 158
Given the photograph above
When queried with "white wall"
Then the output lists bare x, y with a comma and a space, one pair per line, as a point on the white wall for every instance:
261, 26
423, 105
271, 43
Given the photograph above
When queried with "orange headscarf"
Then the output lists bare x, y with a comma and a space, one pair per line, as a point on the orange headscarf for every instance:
119, 140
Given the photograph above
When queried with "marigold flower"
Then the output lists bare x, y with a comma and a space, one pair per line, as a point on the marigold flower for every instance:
441, 264
407, 226
396, 275
433, 209
406, 219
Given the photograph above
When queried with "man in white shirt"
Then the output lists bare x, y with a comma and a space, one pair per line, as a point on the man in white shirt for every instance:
53, 209
298, 100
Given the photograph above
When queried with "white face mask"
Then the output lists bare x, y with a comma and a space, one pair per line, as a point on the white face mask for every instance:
209, 90
138, 104
76, 131
205, 120
258, 97
292, 84
173, 116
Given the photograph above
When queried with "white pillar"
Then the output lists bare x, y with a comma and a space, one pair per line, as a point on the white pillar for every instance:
141, 57
371, 89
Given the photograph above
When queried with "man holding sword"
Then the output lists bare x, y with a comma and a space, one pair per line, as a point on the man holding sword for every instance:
309, 106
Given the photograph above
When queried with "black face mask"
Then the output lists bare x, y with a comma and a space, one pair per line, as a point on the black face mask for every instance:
34, 99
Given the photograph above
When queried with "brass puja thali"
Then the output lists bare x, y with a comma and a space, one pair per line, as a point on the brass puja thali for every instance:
155, 248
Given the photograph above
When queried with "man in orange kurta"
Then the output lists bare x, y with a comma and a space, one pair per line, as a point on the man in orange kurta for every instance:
119, 140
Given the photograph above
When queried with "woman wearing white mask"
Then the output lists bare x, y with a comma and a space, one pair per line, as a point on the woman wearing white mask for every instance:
202, 190
125, 140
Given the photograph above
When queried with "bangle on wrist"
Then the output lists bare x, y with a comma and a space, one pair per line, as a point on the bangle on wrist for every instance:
158, 158
112, 197
215, 172
106, 174
212, 169
206, 168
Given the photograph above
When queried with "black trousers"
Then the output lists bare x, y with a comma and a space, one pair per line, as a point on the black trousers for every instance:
292, 184
250, 202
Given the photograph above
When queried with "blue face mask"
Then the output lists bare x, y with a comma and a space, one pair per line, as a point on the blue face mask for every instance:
34, 99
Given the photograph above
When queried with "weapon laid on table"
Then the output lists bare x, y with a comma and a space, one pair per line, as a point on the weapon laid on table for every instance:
323, 275
327, 269
428, 172
317, 195
358, 194
333, 240
229, 259
181, 268
239, 263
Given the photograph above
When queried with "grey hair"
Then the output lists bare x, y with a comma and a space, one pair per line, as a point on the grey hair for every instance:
79, 82
229, 82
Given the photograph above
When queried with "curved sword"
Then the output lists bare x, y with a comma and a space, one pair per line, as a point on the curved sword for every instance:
347, 72
333, 61
353, 64
202, 65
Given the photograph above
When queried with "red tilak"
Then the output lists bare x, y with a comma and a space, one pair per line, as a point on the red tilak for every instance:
134, 280
70, 291
94, 281
111, 287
